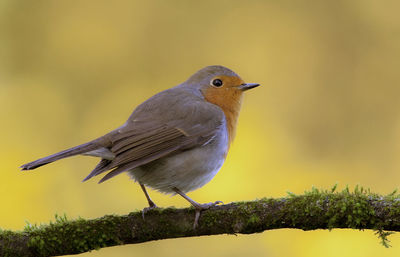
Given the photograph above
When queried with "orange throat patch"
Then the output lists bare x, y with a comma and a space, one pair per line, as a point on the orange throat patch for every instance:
229, 100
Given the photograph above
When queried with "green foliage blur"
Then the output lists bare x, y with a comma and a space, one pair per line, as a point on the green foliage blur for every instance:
328, 110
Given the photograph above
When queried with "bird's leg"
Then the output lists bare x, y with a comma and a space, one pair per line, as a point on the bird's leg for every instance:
197, 206
152, 205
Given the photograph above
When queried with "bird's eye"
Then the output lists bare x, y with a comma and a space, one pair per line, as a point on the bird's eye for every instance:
216, 82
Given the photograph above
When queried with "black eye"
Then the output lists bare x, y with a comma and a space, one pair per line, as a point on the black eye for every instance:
216, 82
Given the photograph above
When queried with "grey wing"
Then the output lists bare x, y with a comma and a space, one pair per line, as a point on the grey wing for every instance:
146, 141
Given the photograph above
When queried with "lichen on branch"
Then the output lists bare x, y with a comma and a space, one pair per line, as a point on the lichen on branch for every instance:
315, 209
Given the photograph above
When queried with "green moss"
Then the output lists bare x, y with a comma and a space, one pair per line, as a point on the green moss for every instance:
8, 247
315, 209
209, 220
73, 236
253, 219
383, 235
344, 209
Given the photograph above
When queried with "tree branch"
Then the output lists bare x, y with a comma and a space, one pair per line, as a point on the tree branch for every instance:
313, 210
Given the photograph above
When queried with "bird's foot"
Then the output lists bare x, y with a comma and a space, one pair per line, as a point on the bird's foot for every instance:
151, 207
201, 207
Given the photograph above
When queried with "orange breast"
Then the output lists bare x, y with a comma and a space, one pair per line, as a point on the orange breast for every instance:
229, 99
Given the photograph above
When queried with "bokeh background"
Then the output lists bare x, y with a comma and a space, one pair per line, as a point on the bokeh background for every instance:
328, 110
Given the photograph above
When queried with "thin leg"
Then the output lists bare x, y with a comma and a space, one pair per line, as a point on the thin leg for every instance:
198, 206
152, 205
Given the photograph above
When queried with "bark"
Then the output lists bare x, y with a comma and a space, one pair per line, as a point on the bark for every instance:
313, 210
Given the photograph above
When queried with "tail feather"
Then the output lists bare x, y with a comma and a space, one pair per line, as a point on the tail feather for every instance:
101, 167
80, 149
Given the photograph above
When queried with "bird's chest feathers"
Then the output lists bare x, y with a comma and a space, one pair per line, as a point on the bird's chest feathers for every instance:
229, 100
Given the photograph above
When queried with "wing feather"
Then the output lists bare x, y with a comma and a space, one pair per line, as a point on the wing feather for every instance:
142, 140
154, 145
137, 163
153, 138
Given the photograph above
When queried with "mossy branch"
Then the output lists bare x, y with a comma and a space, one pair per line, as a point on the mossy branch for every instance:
313, 210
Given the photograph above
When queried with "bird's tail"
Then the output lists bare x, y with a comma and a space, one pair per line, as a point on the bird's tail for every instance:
80, 149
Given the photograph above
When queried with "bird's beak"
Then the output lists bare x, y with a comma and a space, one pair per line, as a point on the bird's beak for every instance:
248, 86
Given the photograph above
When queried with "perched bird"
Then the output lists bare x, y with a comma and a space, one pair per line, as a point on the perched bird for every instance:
174, 142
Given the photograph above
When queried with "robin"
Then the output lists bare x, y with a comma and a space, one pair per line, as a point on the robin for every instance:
174, 142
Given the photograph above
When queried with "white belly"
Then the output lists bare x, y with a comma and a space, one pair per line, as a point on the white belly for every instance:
186, 171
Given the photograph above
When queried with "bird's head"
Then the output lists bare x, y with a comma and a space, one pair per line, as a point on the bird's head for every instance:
222, 87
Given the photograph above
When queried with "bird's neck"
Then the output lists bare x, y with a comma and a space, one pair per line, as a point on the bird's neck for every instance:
230, 103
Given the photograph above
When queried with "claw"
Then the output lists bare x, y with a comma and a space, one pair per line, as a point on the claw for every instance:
202, 207
197, 206
148, 209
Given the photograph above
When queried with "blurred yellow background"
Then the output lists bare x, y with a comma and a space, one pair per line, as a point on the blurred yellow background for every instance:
328, 110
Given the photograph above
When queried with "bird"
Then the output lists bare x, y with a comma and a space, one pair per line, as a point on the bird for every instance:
174, 142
